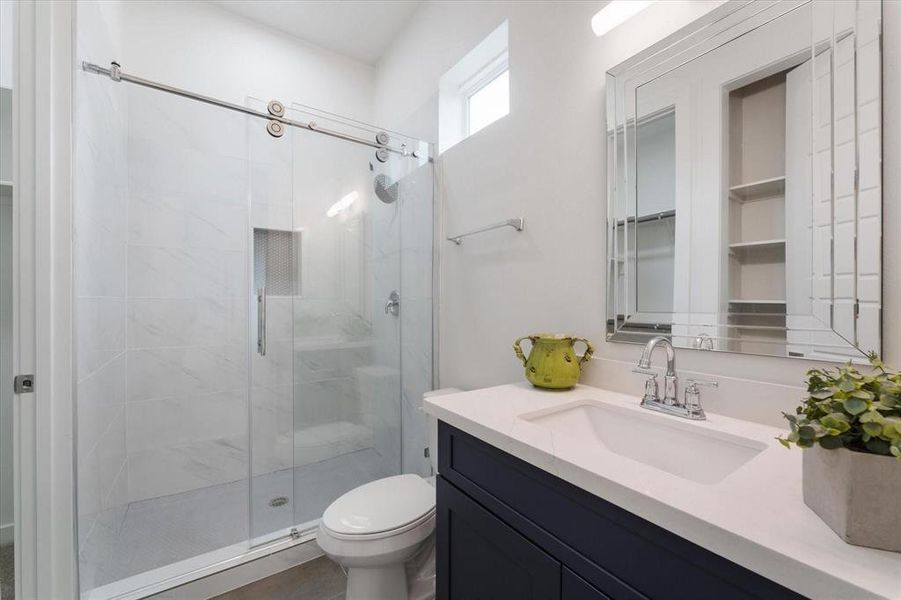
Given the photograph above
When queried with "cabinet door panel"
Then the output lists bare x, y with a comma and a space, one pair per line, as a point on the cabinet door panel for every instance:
482, 558
576, 588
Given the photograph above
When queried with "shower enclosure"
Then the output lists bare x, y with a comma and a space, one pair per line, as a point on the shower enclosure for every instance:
253, 328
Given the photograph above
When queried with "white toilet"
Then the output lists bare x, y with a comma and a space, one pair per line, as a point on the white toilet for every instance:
373, 530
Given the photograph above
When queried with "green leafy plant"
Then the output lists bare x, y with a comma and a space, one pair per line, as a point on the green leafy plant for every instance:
849, 409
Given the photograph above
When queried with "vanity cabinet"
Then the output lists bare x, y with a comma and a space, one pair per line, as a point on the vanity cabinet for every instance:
509, 530
488, 559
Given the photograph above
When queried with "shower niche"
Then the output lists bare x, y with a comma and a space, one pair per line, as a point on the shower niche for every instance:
276, 261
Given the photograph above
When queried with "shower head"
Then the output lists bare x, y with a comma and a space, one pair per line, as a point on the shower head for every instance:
384, 188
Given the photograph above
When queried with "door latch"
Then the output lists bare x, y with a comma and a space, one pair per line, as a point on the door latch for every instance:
23, 384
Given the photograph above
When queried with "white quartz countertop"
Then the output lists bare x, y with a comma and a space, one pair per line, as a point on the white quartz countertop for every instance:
755, 516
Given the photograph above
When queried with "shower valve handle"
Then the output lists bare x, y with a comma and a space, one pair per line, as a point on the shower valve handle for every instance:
392, 307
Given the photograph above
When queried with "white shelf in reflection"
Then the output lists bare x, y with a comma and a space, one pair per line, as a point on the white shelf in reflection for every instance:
754, 190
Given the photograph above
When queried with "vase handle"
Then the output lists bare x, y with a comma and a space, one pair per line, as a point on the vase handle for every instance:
589, 350
518, 349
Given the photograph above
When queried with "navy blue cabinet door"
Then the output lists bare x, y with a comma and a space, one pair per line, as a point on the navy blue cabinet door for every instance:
576, 588
481, 558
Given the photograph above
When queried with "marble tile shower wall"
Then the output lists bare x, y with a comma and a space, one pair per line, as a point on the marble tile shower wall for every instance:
187, 301
100, 289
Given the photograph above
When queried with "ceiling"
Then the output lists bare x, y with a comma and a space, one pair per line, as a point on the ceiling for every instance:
360, 29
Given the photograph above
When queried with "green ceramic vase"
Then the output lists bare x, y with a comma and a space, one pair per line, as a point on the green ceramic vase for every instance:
552, 362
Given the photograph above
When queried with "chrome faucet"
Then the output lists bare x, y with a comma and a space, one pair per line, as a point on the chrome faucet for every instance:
669, 387
690, 408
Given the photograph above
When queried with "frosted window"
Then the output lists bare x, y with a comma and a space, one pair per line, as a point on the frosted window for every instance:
489, 103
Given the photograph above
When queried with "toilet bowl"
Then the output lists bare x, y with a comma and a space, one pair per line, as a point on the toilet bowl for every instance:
374, 529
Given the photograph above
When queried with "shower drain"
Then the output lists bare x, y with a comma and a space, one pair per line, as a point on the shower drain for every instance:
279, 501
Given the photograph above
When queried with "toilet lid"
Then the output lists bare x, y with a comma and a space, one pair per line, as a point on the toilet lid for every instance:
381, 505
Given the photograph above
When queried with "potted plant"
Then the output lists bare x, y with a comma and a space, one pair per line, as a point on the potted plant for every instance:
851, 425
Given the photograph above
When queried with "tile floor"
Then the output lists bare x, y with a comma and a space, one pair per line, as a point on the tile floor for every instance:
319, 579
7, 572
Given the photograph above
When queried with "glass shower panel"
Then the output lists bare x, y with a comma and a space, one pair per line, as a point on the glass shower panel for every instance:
162, 336
415, 178
276, 248
332, 405
347, 423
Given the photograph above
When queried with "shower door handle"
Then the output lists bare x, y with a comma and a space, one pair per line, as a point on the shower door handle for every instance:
261, 321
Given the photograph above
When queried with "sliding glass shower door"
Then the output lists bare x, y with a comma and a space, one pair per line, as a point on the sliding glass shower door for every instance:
162, 263
326, 376
273, 281
242, 301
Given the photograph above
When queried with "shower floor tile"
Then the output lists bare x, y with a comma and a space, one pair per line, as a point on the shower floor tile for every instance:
160, 531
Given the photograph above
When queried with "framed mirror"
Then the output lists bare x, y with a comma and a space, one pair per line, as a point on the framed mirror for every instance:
745, 183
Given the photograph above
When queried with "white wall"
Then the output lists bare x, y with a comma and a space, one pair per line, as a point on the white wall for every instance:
6, 44
546, 162
201, 47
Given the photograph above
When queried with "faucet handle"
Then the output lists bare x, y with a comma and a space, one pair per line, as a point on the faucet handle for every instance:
692, 400
650, 386
641, 371
694, 383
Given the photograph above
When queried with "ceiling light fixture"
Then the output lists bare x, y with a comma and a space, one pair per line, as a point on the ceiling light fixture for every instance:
616, 13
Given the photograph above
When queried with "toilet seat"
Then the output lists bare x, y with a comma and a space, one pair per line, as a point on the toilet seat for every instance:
380, 509
424, 519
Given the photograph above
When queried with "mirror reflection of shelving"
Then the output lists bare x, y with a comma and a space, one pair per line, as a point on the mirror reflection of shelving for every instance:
649, 225
757, 215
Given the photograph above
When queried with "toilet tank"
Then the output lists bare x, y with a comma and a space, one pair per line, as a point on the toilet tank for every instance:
433, 425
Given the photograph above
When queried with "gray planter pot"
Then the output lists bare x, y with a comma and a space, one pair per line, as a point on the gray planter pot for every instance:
856, 494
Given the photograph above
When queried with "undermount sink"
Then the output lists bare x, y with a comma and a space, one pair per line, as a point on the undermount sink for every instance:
682, 448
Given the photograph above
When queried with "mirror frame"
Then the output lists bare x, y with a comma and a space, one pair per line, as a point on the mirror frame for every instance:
624, 322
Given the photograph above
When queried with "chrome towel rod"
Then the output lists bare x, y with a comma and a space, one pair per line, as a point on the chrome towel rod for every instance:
116, 73
516, 224
659, 216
